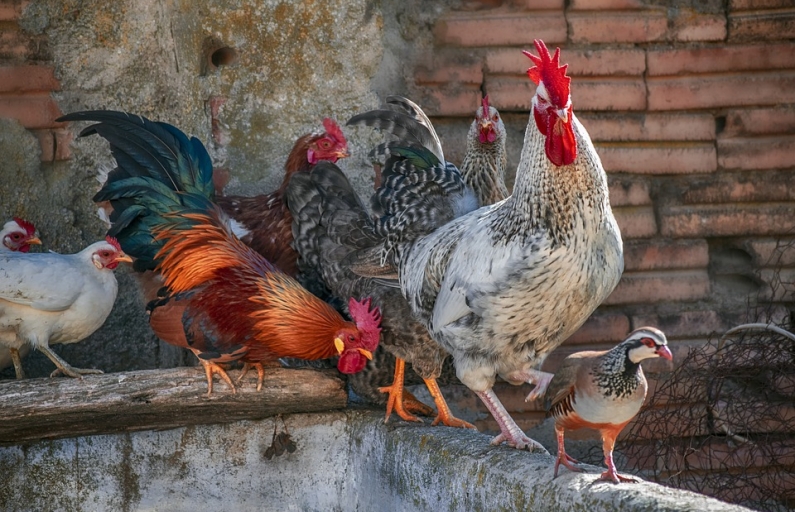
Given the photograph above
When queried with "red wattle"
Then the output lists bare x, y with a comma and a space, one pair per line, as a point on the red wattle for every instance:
351, 361
561, 146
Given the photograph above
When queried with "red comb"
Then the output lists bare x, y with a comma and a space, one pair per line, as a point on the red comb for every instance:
28, 226
548, 70
115, 243
333, 129
367, 321
485, 104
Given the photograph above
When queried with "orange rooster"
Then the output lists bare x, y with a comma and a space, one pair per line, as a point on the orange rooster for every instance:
263, 221
222, 299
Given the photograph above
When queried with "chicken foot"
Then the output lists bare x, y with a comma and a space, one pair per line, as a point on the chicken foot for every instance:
396, 400
509, 430
260, 373
64, 367
17, 360
563, 457
539, 378
445, 416
210, 369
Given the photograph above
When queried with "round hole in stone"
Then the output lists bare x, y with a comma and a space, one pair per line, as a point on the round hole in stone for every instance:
223, 56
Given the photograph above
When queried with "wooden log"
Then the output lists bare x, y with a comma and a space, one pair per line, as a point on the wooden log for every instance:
38, 409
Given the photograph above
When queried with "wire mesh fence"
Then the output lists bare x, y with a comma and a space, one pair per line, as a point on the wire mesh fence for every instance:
723, 422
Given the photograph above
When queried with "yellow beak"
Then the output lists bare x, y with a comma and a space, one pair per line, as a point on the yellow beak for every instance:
34, 241
339, 345
366, 353
123, 257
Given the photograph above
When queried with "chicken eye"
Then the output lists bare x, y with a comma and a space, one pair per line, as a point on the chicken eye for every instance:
495, 117
105, 254
351, 337
325, 144
16, 236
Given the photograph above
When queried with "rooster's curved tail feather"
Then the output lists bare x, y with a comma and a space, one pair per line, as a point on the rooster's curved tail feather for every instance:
159, 171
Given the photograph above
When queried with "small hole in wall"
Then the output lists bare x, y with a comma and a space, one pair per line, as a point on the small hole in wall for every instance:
223, 56
216, 54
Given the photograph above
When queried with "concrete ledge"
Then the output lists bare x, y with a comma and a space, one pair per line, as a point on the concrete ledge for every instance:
343, 461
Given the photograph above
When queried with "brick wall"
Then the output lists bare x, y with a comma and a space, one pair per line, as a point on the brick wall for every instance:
27, 81
692, 110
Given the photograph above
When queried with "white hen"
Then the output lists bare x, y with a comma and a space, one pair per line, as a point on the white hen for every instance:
501, 287
49, 298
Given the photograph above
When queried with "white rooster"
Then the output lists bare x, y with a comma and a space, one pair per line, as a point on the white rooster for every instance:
49, 298
501, 287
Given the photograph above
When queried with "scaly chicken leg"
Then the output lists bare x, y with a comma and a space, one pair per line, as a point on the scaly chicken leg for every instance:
17, 360
260, 373
211, 368
398, 402
64, 367
509, 430
445, 416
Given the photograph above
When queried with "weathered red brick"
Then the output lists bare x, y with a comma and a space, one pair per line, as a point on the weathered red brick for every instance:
668, 158
721, 91
55, 144
756, 153
13, 45
636, 221
594, 62
737, 187
12, 10
613, 94
727, 220
662, 286
455, 101
742, 5
444, 73
691, 26
503, 28
16, 79
719, 453
649, 127
628, 191
625, 27
32, 111
602, 5
610, 328
721, 59
761, 121
762, 26
516, 93
661, 254
686, 324
772, 252
538, 5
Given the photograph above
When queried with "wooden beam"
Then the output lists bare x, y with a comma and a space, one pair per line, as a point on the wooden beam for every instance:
36, 409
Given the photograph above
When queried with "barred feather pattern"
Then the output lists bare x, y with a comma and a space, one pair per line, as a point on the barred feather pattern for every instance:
331, 223
483, 168
531, 270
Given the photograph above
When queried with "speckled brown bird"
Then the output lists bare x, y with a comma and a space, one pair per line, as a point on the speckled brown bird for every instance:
603, 391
